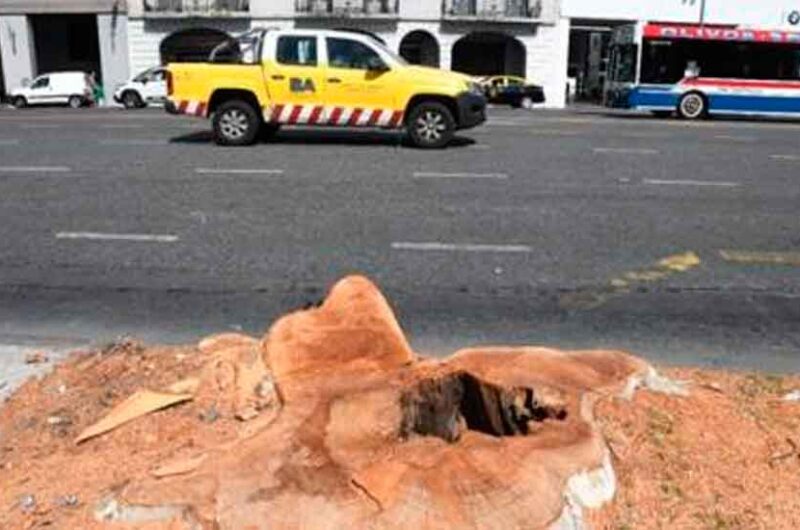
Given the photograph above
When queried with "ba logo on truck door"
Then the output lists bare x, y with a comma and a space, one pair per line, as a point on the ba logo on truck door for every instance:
297, 84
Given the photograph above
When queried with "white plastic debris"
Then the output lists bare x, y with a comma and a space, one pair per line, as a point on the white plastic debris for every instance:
793, 396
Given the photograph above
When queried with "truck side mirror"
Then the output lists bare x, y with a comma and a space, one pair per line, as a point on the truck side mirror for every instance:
26, 82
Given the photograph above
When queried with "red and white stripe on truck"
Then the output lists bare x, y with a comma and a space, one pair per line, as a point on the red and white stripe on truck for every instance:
333, 116
313, 115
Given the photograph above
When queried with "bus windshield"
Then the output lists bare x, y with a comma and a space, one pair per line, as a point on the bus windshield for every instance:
665, 61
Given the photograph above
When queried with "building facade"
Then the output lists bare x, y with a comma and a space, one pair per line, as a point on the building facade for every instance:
481, 37
550, 42
38, 36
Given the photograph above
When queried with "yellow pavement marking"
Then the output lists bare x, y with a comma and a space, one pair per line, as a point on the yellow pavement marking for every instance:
660, 270
761, 258
680, 262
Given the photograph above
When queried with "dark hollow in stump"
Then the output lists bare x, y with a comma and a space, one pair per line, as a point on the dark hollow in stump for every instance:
447, 406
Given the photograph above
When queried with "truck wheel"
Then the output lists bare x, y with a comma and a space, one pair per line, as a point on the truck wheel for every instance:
692, 106
431, 125
131, 100
19, 102
75, 102
236, 123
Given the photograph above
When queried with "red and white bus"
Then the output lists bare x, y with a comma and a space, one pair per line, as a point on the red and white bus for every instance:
697, 71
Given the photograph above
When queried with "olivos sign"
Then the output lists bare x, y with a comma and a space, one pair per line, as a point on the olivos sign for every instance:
766, 14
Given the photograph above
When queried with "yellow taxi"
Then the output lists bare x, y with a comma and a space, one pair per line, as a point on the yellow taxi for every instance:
266, 79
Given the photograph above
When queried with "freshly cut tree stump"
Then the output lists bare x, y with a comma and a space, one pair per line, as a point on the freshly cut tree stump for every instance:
369, 435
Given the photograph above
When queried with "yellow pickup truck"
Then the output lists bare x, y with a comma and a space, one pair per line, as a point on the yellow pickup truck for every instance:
265, 79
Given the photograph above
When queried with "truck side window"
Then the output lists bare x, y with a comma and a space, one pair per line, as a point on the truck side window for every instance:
345, 53
301, 51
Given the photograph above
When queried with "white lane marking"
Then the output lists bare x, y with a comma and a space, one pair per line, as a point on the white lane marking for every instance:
222, 171
720, 184
540, 132
100, 236
624, 151
732, 138
9, 142
790, 158
40, 126
133, 142
35, 169
459, 247
425, 175
121, 126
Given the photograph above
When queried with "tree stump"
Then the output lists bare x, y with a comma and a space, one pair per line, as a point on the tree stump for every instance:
371, 435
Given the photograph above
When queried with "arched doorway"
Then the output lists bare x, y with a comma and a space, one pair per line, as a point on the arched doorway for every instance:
190, 45
420, 47
489, 53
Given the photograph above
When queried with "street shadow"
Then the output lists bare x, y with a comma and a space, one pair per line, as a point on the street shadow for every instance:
325, 137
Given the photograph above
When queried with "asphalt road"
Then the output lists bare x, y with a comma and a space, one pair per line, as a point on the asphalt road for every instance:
540, 228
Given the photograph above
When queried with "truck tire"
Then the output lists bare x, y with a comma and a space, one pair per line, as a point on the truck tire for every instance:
692, 106
75, 102
132, 100
236, 122
19, 102
431, 125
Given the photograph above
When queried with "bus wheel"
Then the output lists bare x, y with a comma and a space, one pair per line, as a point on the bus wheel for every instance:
692, 106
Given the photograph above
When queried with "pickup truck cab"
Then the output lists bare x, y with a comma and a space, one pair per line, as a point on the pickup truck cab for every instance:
265, 79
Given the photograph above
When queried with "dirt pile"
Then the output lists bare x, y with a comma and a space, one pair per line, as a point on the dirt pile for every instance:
332, 421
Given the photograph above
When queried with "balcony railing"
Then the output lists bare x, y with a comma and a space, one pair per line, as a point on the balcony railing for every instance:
497, 10
348, 8
196, 7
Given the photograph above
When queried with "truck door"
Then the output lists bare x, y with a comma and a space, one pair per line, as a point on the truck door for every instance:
359, 87
295, 80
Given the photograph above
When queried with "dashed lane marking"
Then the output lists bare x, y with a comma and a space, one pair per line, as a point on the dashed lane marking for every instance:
133, 142
624, 151
708, 183
35, 169
436, 246
234, 171
789, 158
433, 175
100, 236
750, 257
9, 142
736, 139
35, 126
121, 126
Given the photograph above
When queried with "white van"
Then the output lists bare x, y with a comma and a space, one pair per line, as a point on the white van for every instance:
148, 87
59, 88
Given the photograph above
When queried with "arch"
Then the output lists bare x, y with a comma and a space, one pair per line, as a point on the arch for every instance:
190, 45
420, 47
489, 53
